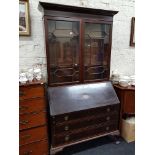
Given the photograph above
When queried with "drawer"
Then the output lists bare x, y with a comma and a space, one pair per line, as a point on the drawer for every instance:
32, 120
85, 113
84, 134
31, 92
32, 135
31, 105
78, 124
37, 148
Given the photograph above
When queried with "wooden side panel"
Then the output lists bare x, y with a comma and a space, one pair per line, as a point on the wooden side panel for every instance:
129, 102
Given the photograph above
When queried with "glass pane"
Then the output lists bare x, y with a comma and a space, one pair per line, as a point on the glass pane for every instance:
63, 38
96, 51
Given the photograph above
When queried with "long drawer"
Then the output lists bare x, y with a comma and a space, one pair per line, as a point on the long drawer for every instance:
86, 133
86, 122
32, 135
31, 92
32, 120
37, 148
31, 105
65, 118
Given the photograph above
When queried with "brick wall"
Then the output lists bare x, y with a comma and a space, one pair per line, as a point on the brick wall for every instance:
32, 48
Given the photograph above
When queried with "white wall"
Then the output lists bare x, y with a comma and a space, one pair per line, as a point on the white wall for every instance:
32, 48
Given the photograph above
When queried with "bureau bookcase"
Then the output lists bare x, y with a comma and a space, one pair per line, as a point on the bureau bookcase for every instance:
83, 104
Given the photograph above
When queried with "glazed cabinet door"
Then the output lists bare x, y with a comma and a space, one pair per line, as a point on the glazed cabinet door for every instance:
62, 39
97, 47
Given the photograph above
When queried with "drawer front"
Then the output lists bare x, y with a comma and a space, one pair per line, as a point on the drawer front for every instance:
32, 120
31, 92
94, 120
37, 148
32, 135
85, 113
31, 105
83, 134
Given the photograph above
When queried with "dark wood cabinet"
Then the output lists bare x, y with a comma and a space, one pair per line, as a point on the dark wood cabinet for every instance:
126, 96
33, 132
78, 44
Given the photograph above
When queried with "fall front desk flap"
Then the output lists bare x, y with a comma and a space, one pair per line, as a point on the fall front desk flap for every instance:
66, 99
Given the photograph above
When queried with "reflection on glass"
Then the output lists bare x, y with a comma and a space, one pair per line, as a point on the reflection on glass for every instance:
96, 50
63, 37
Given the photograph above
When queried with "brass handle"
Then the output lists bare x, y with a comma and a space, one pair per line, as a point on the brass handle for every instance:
108, 118
21, 93
24, 122
25, 137
66, 128
35, 113
108, 109
107, 128
67, 138
27, 153
66, 118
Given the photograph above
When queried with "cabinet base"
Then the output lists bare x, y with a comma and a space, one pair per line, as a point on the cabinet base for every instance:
55, 150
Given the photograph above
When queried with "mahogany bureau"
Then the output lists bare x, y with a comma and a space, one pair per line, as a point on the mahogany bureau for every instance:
82, 112
78, 49
33, 137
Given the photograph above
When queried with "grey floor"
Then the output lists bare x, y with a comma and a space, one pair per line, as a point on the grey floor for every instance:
101, 146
